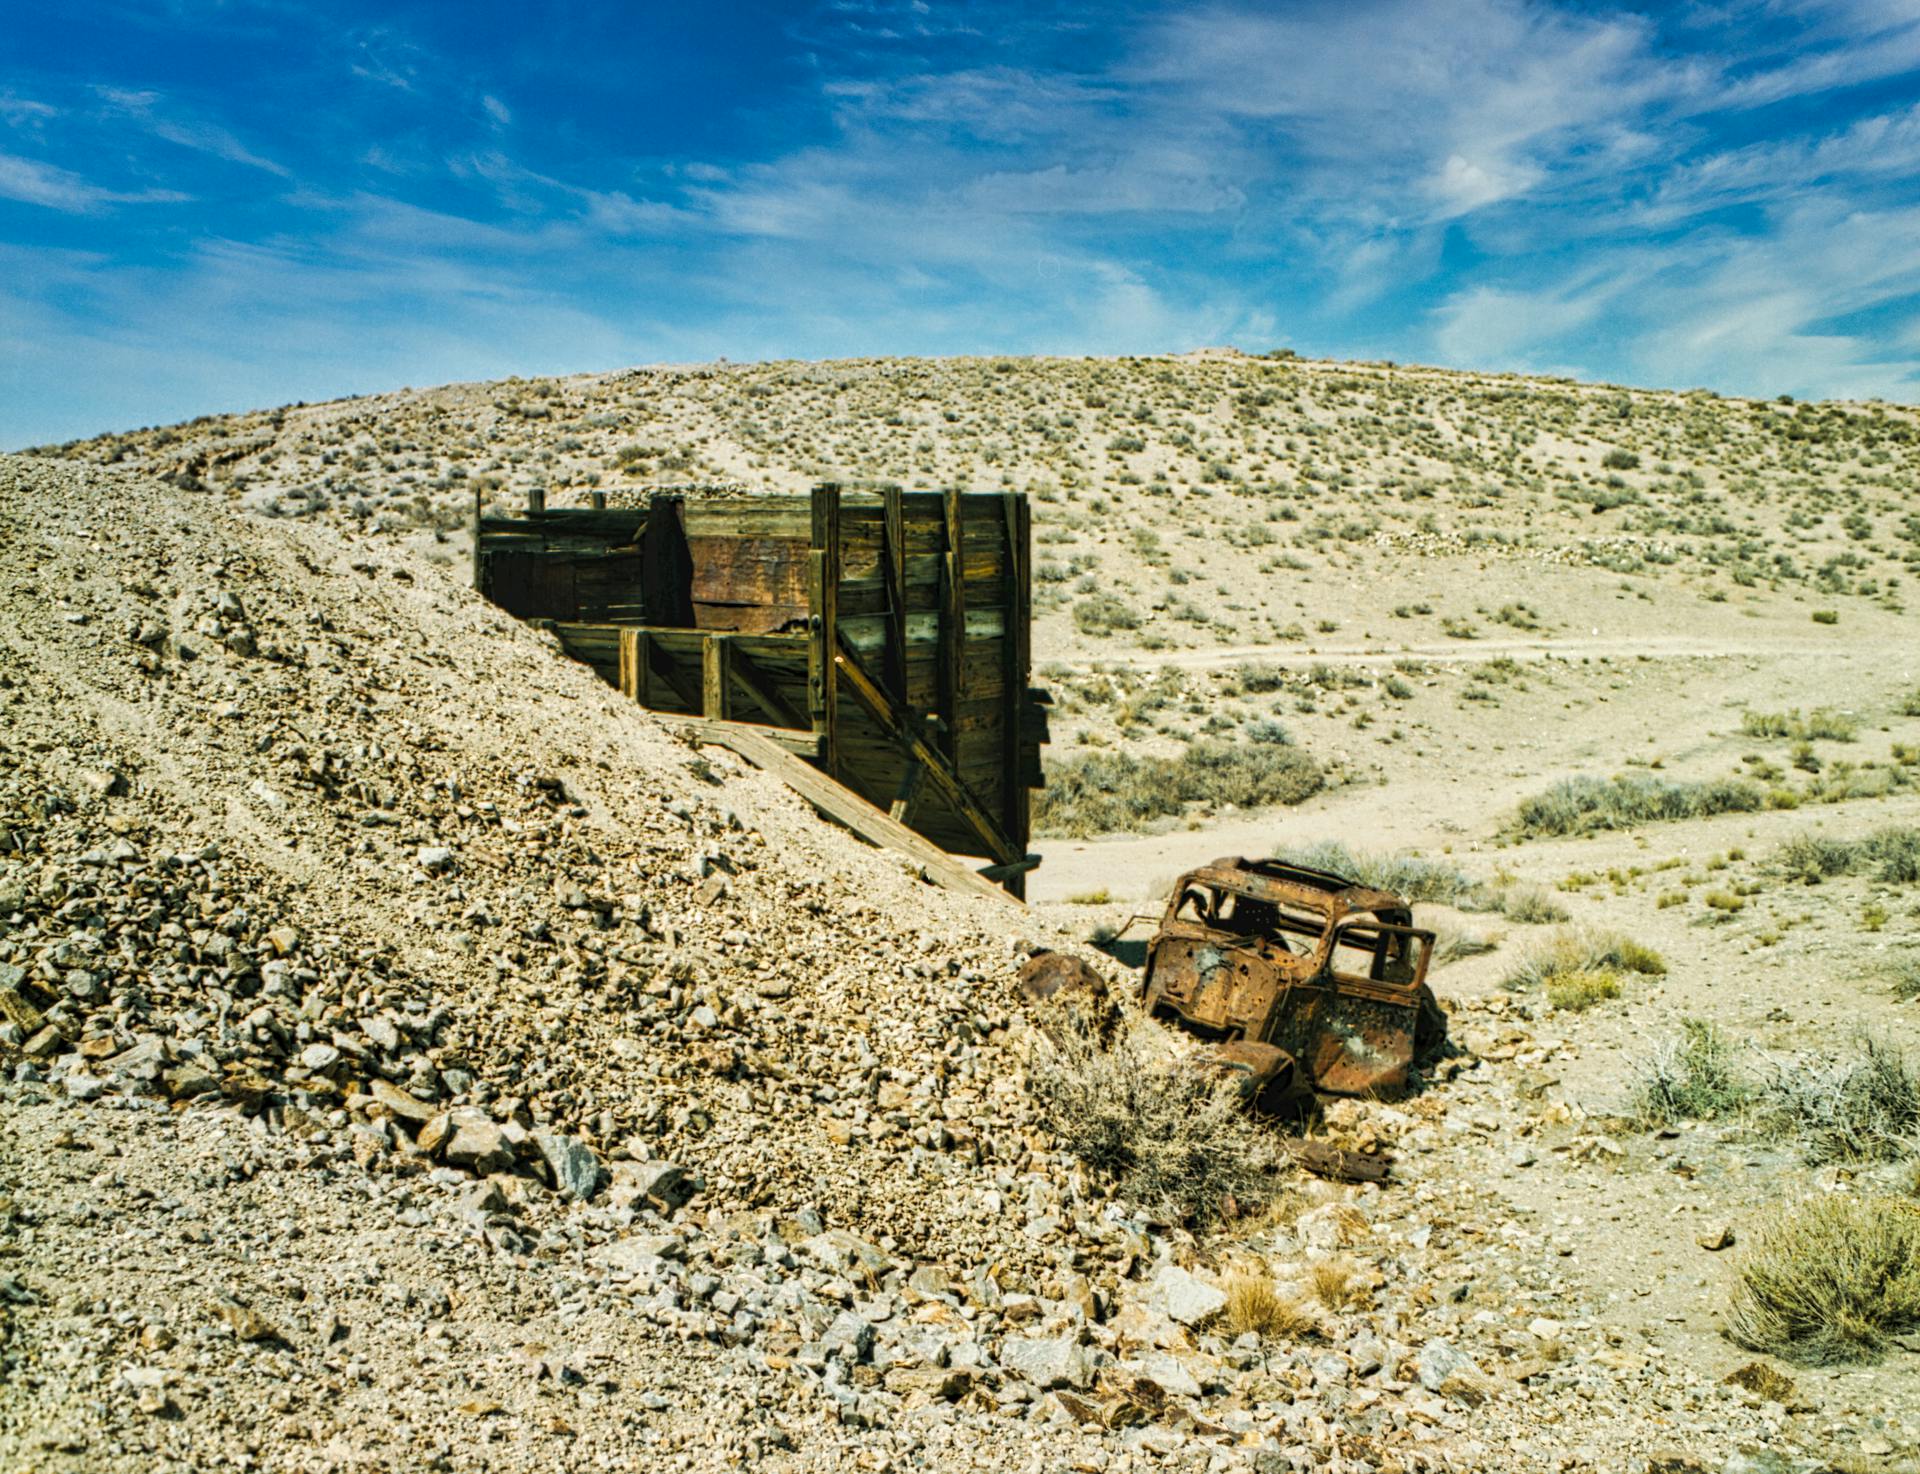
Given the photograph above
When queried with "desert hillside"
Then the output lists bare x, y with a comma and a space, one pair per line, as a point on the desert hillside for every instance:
416, 1057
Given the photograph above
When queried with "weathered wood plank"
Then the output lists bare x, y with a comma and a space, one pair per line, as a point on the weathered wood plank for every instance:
1015, 801
765, 692
839, 803
953, 616
825, 562
800, 744
950, 787
713, 678
893, 570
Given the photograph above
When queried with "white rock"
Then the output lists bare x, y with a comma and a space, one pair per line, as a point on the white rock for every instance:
1185, 1298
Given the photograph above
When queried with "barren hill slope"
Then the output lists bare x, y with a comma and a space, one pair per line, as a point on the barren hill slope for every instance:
377, 986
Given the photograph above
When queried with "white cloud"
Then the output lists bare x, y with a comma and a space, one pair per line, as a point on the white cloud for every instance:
34, 183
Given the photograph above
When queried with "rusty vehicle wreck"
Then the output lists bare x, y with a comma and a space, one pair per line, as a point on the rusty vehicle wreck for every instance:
1299, 982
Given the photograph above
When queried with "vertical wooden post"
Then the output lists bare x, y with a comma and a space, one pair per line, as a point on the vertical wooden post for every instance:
478, 577
823, 577
714, 650
1016, 646
643, 666
597, 500
536, 500
953, 624
893, 572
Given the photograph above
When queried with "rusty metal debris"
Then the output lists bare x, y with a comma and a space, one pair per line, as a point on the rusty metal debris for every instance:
1299, 982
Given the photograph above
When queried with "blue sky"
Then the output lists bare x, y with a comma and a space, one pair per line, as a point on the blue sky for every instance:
211, 206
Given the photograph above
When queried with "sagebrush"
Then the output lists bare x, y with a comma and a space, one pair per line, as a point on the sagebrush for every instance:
1830, 1280
1174, 1140
1117, 792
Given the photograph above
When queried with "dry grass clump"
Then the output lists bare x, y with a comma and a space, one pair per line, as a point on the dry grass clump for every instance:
1830, 1280
1452, 943
1256, 1303
1694, 1076
1337, 1284
1579, 968
1863, 1106
1573, 992
1174, 1140
1903, 977
1530, 905
1115, 792
1579, 805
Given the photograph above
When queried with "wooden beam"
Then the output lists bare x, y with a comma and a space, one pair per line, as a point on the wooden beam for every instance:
699, 729
755, 682
1013, 870
630, 664
660, 662
762, 748
944, 779
713, 677
823, 566
953, 621
478, 582
893, 572
536, 500
908, 792
1015, 642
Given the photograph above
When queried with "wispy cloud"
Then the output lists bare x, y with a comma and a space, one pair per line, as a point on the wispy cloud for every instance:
32, 182
149, 111
1721, 193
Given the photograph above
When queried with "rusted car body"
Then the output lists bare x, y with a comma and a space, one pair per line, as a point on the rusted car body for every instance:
1301, 981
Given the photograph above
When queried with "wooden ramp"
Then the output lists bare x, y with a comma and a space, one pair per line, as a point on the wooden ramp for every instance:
835, 801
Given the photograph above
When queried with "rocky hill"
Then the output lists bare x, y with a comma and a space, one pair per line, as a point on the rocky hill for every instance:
418, 1058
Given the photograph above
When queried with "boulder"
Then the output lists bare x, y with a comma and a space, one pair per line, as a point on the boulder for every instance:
1048, 1361
1184, 1297
576, 1170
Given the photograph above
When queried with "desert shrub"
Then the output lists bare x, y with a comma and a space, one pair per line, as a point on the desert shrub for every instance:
1259, 678
1908, 704
1255, 1303
1408, 876
1577, 805
1829, 1280
1110, 792
1892, 855
1573, 992
1572, 955
1903, 977
1861, 1106
1695, 1075
1822, 723
1452, 944
1172, 1139
1102, 614
1814, 857
1530, 905
1621, 460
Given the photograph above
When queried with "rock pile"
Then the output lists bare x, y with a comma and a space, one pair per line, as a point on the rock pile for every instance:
414, 1058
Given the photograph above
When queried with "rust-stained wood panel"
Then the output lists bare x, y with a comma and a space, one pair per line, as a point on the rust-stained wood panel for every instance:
721, 607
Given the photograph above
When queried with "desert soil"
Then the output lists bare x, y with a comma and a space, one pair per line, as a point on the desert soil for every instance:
415, 1057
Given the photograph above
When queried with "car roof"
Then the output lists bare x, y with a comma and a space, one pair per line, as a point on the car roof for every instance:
1281, 881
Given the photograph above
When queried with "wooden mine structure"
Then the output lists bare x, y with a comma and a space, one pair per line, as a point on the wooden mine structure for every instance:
882, 638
